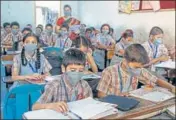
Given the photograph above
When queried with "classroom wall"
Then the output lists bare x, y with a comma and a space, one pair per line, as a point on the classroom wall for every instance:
95, 13
20, 11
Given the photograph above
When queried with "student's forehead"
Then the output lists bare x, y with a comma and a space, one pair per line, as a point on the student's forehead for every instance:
75, 66
31, 39
67, 8
105, 27
15, 26
48, 27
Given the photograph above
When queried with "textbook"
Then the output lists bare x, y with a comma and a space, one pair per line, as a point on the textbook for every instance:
168, 64
171, 111
82, 109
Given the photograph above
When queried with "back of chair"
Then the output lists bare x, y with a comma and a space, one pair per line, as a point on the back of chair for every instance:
20, 100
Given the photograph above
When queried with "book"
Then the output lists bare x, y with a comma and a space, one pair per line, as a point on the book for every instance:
171, 110
158, 94
91, 76
82, 109
168, 64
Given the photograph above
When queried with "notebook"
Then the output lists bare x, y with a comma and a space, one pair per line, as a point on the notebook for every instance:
123, 103
82, 109
168, 64
171, 110
158, 94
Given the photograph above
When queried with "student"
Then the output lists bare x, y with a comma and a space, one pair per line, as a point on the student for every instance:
14, 39
155, 48
49, 38
39, 34
41, 26
125, 40
88, 34
63, 41
104, 42
26, 31
84, 45
67, 87
30, 64
6, 30
121, 78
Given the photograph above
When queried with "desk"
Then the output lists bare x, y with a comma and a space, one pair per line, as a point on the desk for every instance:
145, 109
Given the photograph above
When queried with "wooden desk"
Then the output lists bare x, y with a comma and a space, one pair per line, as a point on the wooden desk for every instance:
145, 109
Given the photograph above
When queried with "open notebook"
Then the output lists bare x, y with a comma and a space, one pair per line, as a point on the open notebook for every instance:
82, 109
168, 64
158, 94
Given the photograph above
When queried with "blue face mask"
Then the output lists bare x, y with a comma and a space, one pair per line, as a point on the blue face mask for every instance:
49, 31
134, 71
105, 32
74, 77
157, 41
14, 31
67, 13
30, 47
64, 33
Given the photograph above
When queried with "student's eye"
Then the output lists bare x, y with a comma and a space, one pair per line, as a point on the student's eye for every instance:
73, 70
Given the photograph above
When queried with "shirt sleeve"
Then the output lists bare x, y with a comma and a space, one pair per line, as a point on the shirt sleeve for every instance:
105, 81
16, 65
48, 94
149, 78
87, 90
46, 65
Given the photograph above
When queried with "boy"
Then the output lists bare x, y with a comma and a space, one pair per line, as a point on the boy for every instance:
68, 87
14, 39
121, 78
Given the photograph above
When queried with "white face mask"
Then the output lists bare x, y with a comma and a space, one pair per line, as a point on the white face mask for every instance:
30, 47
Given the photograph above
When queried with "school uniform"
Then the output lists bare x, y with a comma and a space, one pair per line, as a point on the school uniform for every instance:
155, 52
63, 43
115, 80
117, 58
60, 90
99, 54
49, 40
30, 68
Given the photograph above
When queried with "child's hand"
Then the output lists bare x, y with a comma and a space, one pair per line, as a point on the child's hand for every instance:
125, 94
173, 89
59, 107
164, 58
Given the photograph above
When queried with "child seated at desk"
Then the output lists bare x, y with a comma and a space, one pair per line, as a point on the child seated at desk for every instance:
121, 78
67, 87
29, 64
84, 45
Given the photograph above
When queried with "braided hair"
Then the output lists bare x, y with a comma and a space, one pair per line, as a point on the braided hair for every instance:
127, 33
23, 58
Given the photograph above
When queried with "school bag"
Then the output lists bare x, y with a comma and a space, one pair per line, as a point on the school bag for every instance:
54, 56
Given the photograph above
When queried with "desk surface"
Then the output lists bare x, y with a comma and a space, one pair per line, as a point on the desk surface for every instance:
143, 110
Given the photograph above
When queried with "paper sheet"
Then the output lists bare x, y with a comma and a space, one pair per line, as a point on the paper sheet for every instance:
44, 114
171, 110
168, 64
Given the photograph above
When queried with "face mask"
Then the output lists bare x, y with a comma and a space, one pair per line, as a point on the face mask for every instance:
157, 41
64, 33
67, 13
105, 32
30, 47
49, 31
134, 72
74, 77
14, 31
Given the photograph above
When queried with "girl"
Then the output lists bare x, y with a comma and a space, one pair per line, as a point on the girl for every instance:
30, 64
85, 46
124, 41
104, 43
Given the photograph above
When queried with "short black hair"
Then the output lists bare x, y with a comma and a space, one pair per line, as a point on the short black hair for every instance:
105, 25
15, 23
50, 25
156, 31
65, 6
28, 25
27, 29
6, 24
136, 53
65, 26
81, 40
88, 29
39, 28
73, 56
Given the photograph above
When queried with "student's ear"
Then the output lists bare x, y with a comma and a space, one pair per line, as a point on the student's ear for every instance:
63, 68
